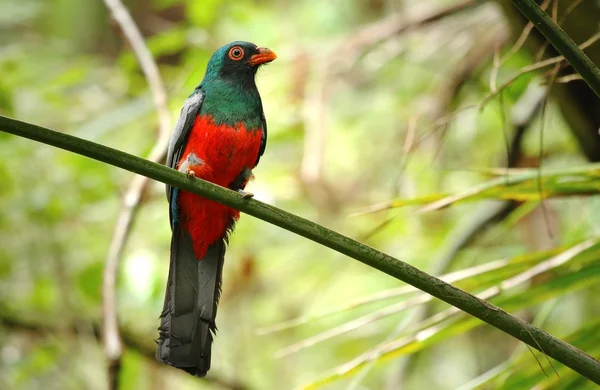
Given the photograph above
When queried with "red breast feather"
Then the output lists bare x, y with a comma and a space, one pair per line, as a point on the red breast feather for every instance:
225, 151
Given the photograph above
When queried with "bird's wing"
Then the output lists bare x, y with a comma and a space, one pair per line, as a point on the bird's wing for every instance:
263, 141
182, 130
178, 141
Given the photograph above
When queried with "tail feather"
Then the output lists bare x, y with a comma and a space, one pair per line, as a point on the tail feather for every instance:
190, 308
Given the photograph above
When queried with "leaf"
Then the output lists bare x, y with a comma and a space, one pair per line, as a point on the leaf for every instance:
518, 185
441, 327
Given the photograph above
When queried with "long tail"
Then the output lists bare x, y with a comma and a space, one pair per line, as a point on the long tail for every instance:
190, 308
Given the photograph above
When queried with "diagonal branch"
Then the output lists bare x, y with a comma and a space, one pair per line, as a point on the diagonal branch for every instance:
535, 66
565, 353
431, 326
133, 195
562, 42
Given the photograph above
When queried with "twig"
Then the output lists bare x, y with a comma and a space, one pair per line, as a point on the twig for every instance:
523, 114
564, 17
354, 324
535, 66
554, 10
568, 78
495, 68
315, 104
572, 357
539, 320
133, 196
379, 296
145, 59
513, 50
541, 151
561, 42
436, 202
421, 299
448, 118
379, 314
432, 325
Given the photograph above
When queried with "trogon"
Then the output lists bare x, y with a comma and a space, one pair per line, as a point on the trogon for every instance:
220, 136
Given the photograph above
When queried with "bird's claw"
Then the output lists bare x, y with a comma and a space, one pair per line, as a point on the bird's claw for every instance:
190, 173
245, 194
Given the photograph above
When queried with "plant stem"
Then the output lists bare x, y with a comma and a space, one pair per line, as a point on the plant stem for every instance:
562, 42
132, 198
563, 352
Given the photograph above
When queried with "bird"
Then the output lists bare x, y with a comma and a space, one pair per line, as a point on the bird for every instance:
220, 135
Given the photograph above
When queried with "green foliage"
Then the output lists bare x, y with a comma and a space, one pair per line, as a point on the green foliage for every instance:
63, 64
523, 186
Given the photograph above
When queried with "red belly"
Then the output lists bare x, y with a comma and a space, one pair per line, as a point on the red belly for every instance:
225, 151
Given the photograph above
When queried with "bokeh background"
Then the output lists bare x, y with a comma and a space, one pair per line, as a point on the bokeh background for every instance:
369, 101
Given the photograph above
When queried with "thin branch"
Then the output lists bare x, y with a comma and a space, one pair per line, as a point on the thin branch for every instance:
379, 296
539, 182
133, 195
554, 10
495, 68
535, 66
514, 49
564, 17
147, 63
354, 324
318, 95
523, 114
476, 382
422, 299
524, 35
433, 325
441, 122
561, 42
565, 353
568, 78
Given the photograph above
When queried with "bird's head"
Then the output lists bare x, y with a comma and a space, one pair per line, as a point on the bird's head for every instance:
238, 62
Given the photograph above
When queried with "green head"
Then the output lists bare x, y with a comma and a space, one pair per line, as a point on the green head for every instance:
230, 91
237, 62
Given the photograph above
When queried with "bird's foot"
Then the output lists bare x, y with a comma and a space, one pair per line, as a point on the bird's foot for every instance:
246, 195
190, 173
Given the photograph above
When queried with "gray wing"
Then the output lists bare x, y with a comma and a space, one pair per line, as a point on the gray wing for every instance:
182, 130
263, 141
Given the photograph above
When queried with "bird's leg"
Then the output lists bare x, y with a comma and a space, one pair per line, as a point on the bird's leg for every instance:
240, 183
188, 164
245, 194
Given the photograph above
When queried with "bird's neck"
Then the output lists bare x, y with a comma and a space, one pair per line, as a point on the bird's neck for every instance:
231, 103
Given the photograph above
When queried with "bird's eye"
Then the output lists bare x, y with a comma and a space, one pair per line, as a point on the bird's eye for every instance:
236, 53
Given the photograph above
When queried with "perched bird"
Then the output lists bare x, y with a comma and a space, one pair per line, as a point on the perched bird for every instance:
220, 136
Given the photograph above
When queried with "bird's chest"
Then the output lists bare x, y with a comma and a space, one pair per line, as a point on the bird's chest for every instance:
224, 150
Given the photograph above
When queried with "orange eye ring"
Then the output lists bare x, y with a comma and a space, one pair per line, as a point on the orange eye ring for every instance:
236, 53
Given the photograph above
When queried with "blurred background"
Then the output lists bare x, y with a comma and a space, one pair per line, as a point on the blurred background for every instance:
377, 109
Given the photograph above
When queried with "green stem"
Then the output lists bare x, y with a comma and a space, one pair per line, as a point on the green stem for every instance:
562, 42
493, 315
